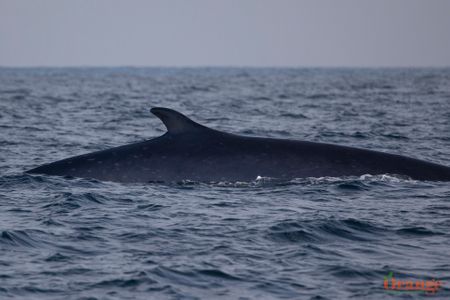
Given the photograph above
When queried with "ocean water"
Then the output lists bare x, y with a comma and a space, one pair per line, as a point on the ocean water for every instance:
310, 238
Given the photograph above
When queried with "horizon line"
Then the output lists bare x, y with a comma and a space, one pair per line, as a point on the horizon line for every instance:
228, 66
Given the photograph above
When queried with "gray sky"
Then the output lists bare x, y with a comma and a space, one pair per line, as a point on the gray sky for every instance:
225, 33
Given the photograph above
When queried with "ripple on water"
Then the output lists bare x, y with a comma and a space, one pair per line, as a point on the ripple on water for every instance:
20, 238
320, 231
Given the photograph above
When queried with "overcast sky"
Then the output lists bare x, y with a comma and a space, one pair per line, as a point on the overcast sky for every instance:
225, 33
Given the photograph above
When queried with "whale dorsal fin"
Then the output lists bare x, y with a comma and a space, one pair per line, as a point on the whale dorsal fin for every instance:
176, 122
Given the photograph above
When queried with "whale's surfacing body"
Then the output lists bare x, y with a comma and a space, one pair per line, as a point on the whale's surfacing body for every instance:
190, 151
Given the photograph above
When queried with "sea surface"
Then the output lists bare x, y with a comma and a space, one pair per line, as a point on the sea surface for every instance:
308, 238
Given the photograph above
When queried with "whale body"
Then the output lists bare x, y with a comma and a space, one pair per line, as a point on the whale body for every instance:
190, 151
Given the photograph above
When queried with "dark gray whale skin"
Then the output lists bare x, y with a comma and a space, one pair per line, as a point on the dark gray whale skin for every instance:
190, 151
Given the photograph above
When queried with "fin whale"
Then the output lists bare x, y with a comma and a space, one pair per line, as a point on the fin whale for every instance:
190, 151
